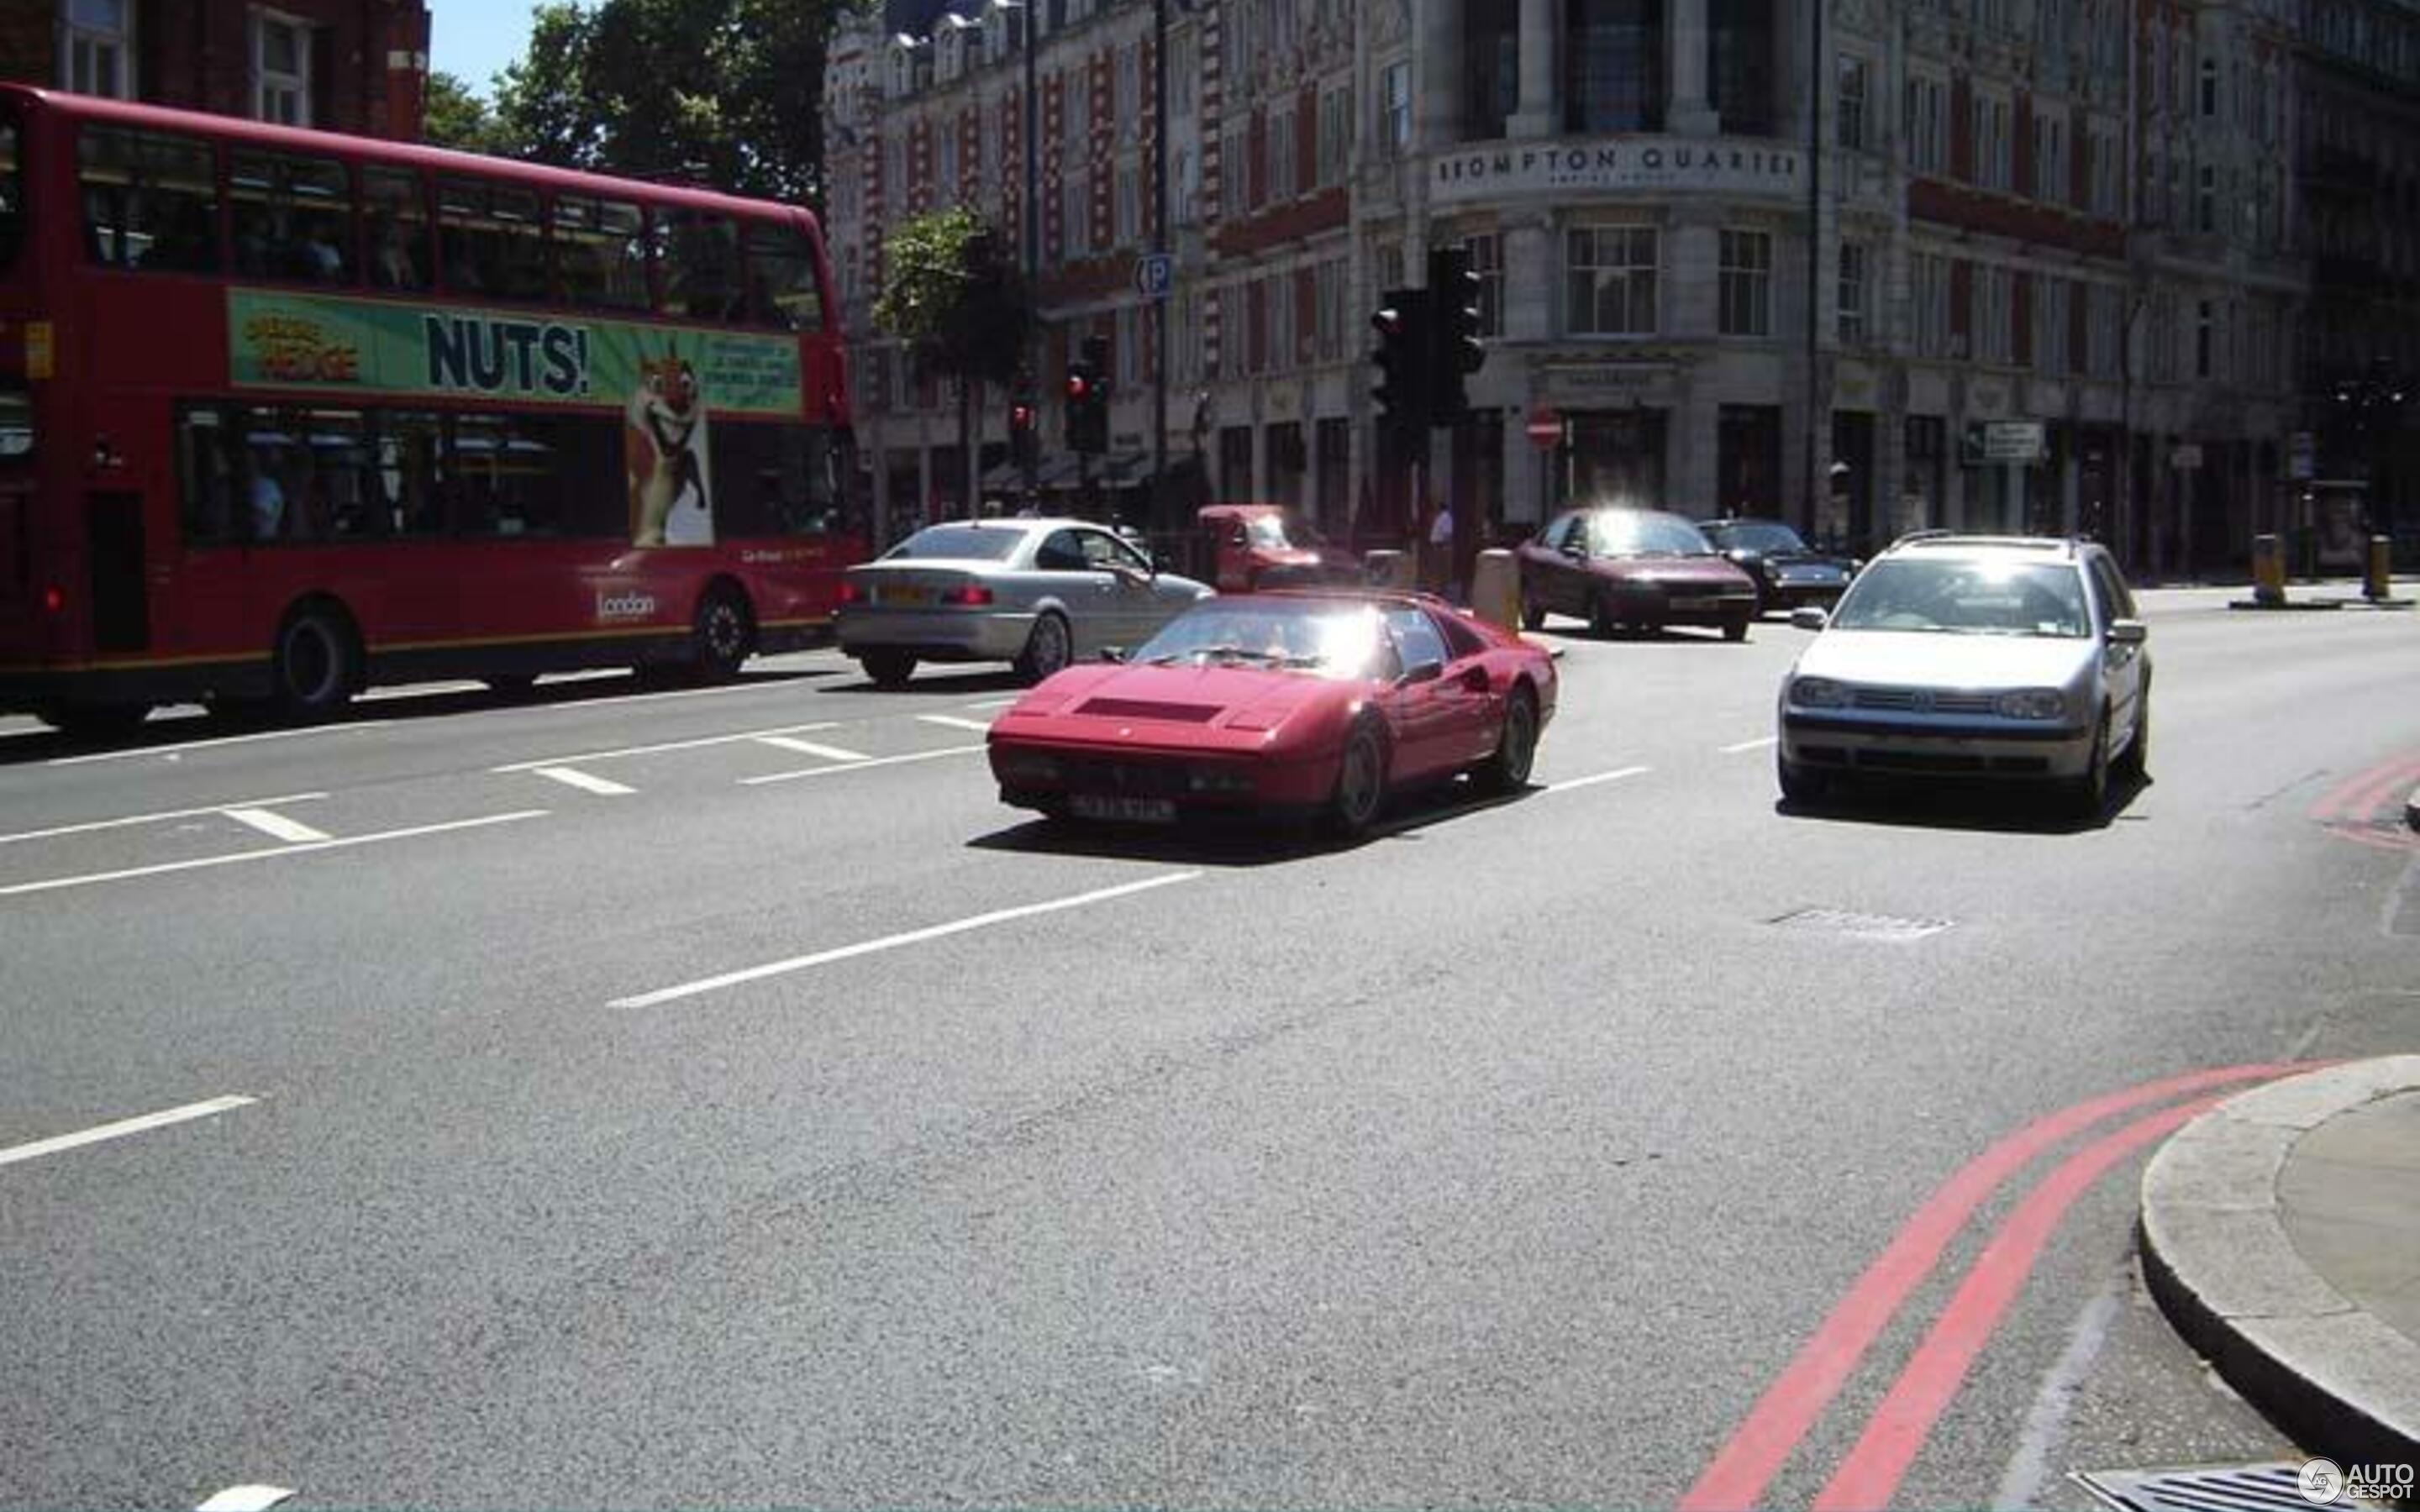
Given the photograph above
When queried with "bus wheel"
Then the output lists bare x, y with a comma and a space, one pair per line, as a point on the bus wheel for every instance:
511, 685
93, 721
317, 663
720, 636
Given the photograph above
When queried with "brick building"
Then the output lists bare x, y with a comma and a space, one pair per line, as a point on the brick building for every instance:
357, 66
2075, 220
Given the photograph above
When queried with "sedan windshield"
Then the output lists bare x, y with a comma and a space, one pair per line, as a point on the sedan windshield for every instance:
2025, 598
1327, 640
1770, 538
957, 543
1640, 533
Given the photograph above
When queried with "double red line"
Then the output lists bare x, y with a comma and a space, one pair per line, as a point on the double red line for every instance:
1739, 1475
2353, 809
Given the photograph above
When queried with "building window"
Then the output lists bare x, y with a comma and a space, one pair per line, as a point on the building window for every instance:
1487, 261
1395, 110
949, 172
96, 48
2204, 323
1994, 294
2050, 325
281, 68
2208, 88
1849, 119
1282, 158
1129, 207
1927, 125
1328, 300
1739, 65
1928, 299
1335, 135
1491, 69
2206, 201
2101, 308
2050, 158
1991, 138
1613, 66
1853, 294
1747, 284
1610, 281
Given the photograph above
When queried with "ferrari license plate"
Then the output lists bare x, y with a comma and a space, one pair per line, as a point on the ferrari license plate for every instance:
1124, 811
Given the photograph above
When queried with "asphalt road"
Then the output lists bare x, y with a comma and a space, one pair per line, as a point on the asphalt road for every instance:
1509, 1158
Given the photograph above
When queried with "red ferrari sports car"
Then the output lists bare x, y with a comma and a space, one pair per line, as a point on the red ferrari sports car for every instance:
1310, 701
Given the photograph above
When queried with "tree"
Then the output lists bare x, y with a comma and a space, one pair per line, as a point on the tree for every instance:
729, 91
454, 117
952, 293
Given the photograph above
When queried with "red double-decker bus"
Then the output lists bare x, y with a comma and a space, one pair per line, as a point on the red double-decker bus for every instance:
284, 413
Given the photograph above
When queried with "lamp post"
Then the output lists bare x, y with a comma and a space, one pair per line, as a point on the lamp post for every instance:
1160, 503
1032, 227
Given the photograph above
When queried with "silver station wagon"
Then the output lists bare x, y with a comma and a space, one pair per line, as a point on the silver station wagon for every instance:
1973, 655
1038, 593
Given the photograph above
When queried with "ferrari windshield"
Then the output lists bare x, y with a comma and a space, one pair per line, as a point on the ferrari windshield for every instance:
1281, 532
1330, 640
1968, 597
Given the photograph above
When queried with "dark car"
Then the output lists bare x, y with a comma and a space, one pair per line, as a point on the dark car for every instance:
1632, 568
1788, 572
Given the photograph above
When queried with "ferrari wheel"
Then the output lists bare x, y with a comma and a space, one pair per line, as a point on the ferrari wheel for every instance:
1517, 747
1360, 783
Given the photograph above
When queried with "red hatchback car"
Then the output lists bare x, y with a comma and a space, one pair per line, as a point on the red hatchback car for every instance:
1625, 568
1269, 545
1321, 703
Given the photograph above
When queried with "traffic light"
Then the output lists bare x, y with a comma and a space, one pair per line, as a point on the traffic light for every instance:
1454, 331
1024, 434
1403, 359
1088, 397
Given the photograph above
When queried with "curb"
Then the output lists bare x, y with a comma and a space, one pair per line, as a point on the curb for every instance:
2218, 1259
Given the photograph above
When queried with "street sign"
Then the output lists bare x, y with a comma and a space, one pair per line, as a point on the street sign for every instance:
2014, 440
1155, 275
2186, 457
2301, 458
1545, 429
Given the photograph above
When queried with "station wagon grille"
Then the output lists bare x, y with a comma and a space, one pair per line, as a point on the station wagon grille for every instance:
1923, 701
1149, 709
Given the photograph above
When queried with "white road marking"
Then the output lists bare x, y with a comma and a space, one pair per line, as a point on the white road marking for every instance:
954, 722
670, 745
808, 748
995, 703
1751, 745
246, 1499
417, 690
54, 884
353, 728
277, 826
859, 766
1591, 781
650, 698
122, 1128
2028, 1471
893, 942
573, 778
156, 818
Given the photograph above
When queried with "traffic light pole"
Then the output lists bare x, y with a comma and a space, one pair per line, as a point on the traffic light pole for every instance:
1032, 227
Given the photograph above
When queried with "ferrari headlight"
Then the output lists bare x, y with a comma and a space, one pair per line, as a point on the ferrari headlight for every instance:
1029, 766
2032, 703
1229, 780
1817, 693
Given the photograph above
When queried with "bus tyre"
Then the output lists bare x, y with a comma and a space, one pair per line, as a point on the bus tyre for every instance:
721, 636
93, 721
317, 665
510, 684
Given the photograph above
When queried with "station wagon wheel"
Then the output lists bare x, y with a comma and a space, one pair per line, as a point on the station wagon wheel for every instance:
2138, 752
1048, 649
2088, 794
1517, 747
1360, 783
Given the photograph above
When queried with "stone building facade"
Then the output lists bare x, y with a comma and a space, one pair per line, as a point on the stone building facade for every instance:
2069, 224
356, 66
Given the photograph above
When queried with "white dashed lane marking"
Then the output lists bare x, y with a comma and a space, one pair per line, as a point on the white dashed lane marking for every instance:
129, 873
572, 776
1590, 781
277, 826
859, 766
246, 1499
808, 748
162, 817
951, 721
1752, 745
122, 1128
699, 744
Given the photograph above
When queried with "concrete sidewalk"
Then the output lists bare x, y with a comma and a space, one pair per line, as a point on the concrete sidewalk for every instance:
2281, 1234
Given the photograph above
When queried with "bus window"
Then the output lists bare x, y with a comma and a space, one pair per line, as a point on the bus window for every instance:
292, 217
783, 289
600, 254
341, 501
12, 193
398, 228
493, 240
700, 256
210, 474
766, 481
410, 476
151, 200
16, 424
511, 476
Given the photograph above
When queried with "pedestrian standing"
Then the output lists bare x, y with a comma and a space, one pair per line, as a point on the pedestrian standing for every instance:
1440, 572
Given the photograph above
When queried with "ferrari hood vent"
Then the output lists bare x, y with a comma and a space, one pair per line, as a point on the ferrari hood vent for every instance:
1149, 709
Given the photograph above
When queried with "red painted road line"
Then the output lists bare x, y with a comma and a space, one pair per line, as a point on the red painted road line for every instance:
1738, 1475
1904, 1420
2369, 836
2360, 797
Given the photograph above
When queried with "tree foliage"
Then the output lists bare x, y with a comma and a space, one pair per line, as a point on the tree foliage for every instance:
726, 91
952, 292
454, 117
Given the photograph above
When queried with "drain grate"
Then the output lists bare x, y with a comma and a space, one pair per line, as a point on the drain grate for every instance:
1864, 926
2234, 1489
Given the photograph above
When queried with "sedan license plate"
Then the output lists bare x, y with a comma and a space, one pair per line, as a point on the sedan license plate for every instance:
1693, 603
1124, 811
905, 594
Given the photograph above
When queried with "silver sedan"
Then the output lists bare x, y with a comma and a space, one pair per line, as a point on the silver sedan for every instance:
1038, 593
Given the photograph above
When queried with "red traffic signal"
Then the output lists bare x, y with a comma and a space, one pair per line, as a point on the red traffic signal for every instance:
1020, 416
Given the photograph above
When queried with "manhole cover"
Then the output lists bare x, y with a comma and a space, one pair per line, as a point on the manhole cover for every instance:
2234, 1489
1864, 926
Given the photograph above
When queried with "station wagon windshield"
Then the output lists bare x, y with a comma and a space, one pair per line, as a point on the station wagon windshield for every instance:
1967, 598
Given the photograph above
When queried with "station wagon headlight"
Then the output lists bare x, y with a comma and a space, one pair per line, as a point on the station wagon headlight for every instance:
1817, 693
2032, 703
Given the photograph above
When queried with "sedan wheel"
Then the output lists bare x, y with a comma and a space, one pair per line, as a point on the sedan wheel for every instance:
887, 668
1601, 621
1360, 783
1048, 649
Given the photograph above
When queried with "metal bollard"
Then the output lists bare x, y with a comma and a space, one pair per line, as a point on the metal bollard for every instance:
2374, 582
1496, 589
2267, 571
